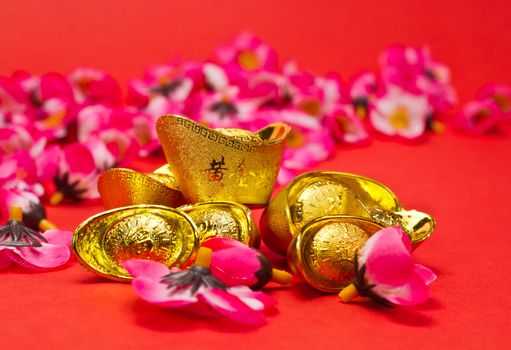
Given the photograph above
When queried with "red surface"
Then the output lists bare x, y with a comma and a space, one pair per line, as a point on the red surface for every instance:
462, 181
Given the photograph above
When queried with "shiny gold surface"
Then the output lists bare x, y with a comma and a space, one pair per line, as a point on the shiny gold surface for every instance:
225, 164
120, 187
223, 219
316, 194
136, 232
323, 252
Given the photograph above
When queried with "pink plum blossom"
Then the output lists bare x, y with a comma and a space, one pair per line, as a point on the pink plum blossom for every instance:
480, 116
92, 86
363, 91
308, 142
249, 53
346, 126
501, 96
68, 173
399, 113
413, 70
28, 248
385, 271
236, 264
225, 109
163, 90
196, 290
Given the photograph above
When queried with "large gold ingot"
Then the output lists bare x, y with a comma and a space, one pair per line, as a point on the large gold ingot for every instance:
222, 164
317, 194
120, 187
323, 252
223, 219
149, 232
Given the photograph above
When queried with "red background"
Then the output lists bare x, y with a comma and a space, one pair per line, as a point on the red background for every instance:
463, 181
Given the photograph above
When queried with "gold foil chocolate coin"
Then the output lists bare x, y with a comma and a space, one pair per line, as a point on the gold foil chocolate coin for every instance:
149, 232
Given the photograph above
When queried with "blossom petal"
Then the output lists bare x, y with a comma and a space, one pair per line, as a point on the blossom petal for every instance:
424, 273
5, 260
43, 257
145, 268
387, 259
413, 292
231, 306
58, 237
155, 292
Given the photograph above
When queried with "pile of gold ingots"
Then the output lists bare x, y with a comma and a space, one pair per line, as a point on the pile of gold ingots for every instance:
319, 220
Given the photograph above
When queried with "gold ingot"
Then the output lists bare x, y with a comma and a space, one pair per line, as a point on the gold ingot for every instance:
323, 252
149, 232
317, 194
222, 164
120, 187
223, 219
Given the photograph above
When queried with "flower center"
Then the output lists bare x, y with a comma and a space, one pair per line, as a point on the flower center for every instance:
16, 234
344, 124
400, 119
166, 87
224, 109
311, 106
295, 138
248, 60
503, 101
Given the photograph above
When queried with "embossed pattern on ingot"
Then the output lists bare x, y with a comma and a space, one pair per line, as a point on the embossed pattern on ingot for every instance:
323, 252
316, 194
223, 219
137, 232
144, 236
225, 164
325, 197
120, 187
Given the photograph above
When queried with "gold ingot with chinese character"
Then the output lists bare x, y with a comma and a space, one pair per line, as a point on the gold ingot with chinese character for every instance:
120, 187
223, 219
323, 252
222, 164
317, 194
149, 232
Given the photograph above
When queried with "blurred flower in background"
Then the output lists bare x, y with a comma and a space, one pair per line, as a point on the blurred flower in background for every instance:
244, 86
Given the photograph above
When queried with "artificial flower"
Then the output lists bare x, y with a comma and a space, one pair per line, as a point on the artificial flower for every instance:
362, 91
163, 90
413, 70
92, 86
308, 142
346, 126
68, 173
236, 264
225, 109
501, 96
196, 290
399, 113
28, 248
385, 271
34, 213
249, 53
480, 116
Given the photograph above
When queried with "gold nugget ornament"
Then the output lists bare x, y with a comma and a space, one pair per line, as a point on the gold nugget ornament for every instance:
318, 194
323, 252
223, 220
120, 187
222, 164
149, 232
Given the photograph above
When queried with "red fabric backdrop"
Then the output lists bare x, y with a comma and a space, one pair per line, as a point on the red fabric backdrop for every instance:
463, 181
